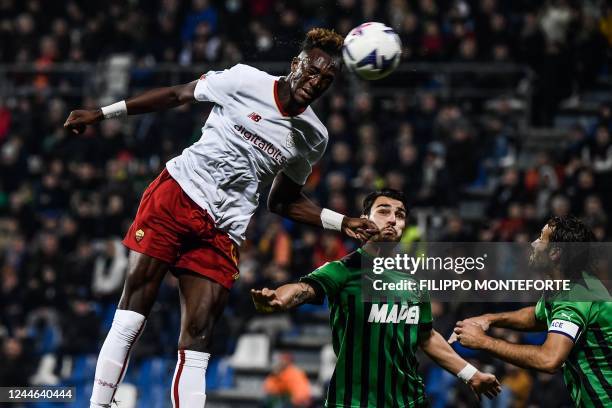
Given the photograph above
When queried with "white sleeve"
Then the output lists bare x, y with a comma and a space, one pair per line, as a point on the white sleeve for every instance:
299, 169
218, 86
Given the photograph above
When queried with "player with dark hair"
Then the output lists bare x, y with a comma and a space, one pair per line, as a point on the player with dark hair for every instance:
375, 342
193, 217
579, 323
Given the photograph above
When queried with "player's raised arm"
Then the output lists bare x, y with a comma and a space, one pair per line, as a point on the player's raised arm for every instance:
548, 357
438, 350
151, 101
523, 319
283, 298
287, 199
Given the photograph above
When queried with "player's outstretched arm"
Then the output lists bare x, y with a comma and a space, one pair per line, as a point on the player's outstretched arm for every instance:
523, 319
548, 357
150, 101
442, 353
287, 199
283, 298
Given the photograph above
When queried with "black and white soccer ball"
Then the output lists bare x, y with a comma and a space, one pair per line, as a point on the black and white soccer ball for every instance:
372, 50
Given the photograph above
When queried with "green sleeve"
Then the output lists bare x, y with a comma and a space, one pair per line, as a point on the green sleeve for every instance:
575, 312
425, 319
570, 318
540, 310
329, 278
425, 315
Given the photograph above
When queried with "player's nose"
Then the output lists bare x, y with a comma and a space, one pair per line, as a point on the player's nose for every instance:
315, 83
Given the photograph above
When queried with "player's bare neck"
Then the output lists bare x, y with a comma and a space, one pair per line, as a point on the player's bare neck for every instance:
289, 105
378, 248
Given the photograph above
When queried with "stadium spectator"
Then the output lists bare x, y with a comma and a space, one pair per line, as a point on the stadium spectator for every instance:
287, 382
17, 364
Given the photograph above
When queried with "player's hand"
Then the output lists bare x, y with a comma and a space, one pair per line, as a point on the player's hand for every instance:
359, 228
482, 321
79, 119
470, 334
484, 383
266, 300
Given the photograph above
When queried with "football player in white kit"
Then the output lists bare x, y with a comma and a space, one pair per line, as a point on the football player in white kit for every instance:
193, 217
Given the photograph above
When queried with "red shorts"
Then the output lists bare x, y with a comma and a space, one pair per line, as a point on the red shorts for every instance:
170, 227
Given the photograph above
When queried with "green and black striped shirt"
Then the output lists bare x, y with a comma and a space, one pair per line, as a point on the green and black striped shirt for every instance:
375, 342
588, 369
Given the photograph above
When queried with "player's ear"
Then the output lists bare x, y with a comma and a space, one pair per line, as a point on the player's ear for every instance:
555, 254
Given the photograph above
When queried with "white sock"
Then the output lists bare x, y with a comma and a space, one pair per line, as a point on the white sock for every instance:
189, 383
114, 356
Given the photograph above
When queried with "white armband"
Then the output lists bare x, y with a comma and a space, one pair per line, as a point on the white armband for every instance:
467, 373
564, 327
115, 110
331, 220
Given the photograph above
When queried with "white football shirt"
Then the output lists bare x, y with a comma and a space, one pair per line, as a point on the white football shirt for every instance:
245, 142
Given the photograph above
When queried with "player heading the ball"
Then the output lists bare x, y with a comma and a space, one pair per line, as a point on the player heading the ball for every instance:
193, 217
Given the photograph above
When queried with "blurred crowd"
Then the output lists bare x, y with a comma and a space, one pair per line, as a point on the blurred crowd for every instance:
231, 30
66, 200
565, 42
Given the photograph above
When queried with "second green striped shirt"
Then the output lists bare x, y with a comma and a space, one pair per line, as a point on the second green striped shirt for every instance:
375, 342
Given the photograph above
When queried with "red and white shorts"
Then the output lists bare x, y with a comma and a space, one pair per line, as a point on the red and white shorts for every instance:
171, 227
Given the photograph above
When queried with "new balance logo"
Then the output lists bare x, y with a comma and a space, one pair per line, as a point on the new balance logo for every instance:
255, 117
382, 314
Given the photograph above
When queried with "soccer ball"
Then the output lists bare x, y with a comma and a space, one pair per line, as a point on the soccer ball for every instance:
372, 50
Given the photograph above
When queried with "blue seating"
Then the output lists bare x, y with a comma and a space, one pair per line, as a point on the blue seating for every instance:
536, 338
154, 396
108, 313
212, 375
83, 368
464, 351
153, 380
219, 374
438, 383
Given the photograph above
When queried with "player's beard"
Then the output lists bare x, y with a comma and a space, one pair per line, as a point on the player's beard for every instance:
540, 261
389, 237
383, 242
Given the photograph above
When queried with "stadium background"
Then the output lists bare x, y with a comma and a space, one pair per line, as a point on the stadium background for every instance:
499, 116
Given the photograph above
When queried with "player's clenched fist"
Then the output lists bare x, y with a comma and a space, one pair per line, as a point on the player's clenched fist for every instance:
484, 383
470, 334
482, 321
79, 119
359, 228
